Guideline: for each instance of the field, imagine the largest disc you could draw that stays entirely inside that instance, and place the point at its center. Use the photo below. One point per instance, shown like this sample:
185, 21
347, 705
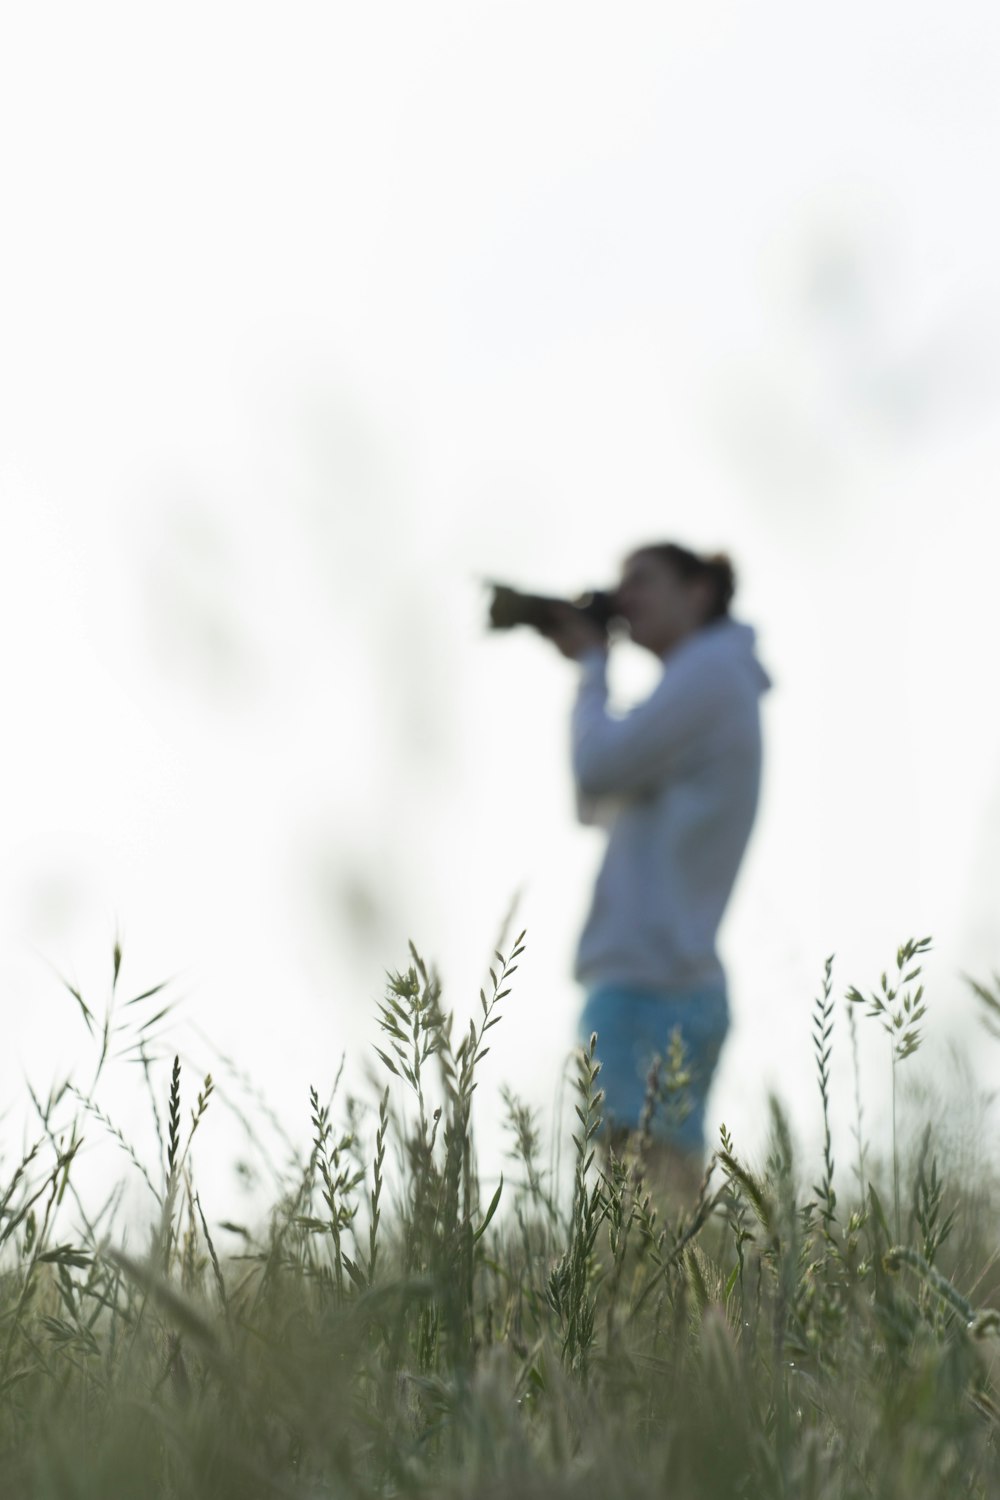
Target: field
392, 1329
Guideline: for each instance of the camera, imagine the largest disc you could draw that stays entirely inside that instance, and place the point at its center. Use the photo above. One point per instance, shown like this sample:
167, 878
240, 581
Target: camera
509, 607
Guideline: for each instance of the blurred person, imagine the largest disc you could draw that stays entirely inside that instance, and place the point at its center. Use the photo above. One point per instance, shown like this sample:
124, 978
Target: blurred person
676, 782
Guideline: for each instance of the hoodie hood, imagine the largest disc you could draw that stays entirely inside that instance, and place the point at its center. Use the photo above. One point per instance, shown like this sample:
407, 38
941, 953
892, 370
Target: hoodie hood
731, 639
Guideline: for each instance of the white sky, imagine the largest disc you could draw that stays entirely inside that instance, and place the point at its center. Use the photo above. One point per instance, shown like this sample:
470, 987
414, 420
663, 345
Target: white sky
309, 317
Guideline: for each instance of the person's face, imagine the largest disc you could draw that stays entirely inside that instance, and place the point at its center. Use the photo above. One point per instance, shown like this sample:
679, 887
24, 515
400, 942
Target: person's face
659, 606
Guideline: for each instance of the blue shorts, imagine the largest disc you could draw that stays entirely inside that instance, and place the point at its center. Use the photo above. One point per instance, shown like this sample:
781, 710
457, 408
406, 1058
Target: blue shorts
634, 1025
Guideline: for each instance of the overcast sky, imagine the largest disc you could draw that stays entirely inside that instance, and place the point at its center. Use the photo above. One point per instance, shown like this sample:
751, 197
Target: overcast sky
312, 316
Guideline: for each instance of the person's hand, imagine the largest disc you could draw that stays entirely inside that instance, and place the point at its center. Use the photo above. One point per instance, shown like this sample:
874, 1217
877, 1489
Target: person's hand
573, 634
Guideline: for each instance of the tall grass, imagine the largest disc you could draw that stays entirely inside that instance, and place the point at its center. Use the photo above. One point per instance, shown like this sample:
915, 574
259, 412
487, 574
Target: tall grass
396, 1327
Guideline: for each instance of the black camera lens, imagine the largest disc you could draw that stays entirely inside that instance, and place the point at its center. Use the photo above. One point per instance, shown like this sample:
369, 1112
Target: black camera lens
509, 607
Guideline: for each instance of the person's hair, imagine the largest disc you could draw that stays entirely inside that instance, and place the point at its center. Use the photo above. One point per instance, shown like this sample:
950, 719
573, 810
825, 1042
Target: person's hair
715, 566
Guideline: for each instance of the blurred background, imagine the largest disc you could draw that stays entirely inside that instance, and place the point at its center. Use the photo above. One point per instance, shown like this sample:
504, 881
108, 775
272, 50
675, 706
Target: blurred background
313, 317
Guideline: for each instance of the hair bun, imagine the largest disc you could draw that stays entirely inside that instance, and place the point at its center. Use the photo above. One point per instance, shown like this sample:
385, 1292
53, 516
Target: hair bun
722, 570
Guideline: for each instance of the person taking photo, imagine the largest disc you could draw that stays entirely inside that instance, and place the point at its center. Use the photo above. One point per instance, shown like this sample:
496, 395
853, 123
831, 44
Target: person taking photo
676, 781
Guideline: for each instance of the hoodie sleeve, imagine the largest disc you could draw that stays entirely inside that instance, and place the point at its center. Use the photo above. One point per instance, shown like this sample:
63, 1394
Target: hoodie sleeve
634, 753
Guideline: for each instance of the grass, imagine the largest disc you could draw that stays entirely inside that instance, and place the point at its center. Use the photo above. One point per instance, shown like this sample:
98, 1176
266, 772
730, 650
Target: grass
395, 1329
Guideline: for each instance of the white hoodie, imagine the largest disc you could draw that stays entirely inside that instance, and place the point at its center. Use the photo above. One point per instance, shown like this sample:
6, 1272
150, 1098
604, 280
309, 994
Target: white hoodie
684, 769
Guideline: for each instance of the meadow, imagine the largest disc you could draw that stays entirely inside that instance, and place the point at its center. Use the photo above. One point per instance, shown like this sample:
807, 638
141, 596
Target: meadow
393, 1328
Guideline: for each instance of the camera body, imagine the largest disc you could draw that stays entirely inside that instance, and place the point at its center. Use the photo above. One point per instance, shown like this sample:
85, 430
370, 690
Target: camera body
510, 607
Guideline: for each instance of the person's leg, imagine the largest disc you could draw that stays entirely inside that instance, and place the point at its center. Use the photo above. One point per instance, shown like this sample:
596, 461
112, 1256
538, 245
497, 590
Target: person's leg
701, 1017
673, 1138
613, 1012
635, 1026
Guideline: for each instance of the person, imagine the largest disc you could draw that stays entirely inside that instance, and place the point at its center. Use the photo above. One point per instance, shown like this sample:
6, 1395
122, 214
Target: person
676, 782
